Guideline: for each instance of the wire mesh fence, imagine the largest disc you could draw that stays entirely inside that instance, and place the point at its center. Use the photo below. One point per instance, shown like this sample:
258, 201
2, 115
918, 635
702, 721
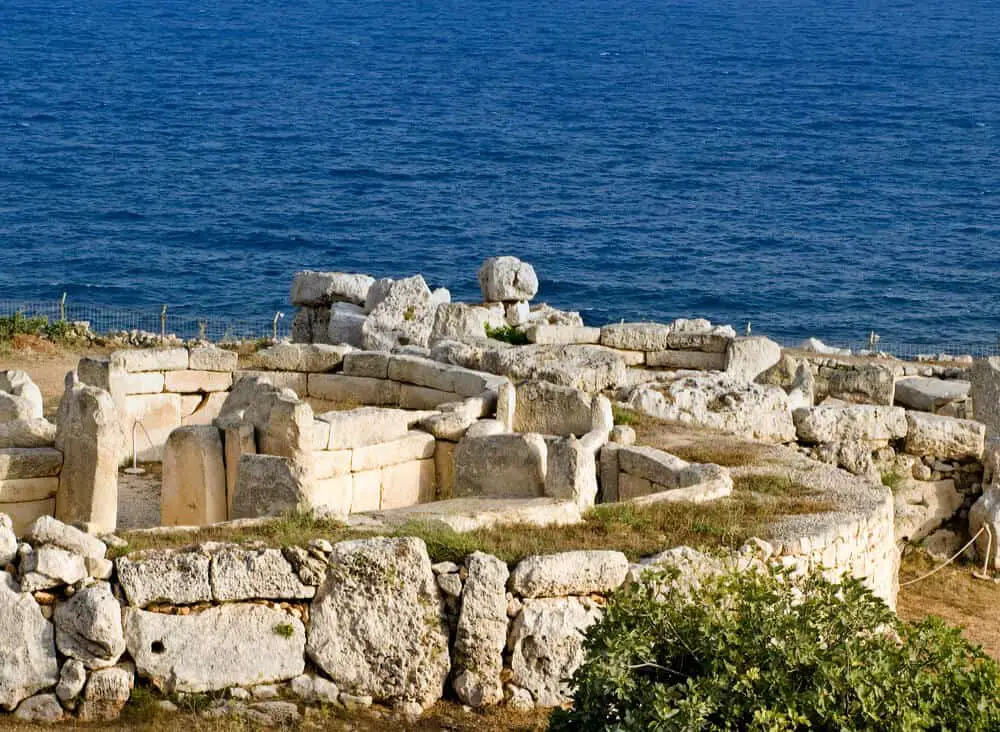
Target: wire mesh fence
104, 320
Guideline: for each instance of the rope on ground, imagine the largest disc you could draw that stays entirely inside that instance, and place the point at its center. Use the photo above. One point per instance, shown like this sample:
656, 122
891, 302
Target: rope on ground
989, 538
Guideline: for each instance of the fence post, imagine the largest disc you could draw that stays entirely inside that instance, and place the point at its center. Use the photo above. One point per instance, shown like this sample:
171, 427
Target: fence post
274, 325
62, 308
163, 324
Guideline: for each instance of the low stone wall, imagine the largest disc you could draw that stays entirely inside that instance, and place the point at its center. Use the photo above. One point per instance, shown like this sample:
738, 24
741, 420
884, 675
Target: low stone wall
373, 619
645, 475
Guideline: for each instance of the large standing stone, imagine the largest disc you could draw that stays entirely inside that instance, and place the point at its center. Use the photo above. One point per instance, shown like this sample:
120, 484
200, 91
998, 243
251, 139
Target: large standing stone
229, 645
510, 465
505, 279
27, 646
482, 632
315, 289
944, 437
546, 646
89, 627
748, 358
984, 377
404, 318
569, 573
571, 471
551, 410
376, 625
194, 478
288, 430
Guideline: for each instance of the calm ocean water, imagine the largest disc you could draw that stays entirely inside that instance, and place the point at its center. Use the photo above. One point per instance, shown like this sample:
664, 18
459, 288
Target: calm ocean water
819, 167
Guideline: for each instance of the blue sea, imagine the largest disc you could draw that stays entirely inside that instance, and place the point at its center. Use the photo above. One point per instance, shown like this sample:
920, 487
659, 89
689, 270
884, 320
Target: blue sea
817, 167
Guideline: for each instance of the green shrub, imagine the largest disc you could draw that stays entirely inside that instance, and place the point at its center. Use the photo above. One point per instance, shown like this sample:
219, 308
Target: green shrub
21, 324
508, 334
749, 654
624, 416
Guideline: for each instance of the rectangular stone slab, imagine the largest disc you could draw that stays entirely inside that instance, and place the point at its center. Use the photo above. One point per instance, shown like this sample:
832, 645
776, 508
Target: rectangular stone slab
19, 490
29, 462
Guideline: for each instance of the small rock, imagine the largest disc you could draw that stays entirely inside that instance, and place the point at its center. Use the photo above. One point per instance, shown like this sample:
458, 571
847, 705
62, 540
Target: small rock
72, 677
444, 568
265, 691
450, 584
239, 693
355, 703
43, 709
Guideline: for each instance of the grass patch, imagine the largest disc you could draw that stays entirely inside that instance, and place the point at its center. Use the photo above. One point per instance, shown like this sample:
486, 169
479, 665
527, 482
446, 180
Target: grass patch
727, 454
284, 630
624, 416
771, 484
508, 334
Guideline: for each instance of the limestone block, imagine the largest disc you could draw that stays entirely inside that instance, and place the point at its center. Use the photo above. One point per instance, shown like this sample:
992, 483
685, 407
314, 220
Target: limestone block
929, 394
331, 463
365, 426
562, 334
26, 490
297, 382
28, 658
170, 577
366, 491
353, 389
309, 358
481, 632
862, 422
444, 469
506, 405
315, 289
512, 465
19, 384
159, 414
636, 336
874, 384
24, 515
407, 484
632, 359
623, 434
986, 512
190, 402
460, 320
651, 464
142, 382
207, 410
108, 691
748, 358
150, 359
238, 440
448, 426
89, 627
48, 530
921, 507
415, 445
632, 486
695, 360
944, 437
288, 431
376, 625
250, 574
609, 473
19, 463
371, 364
72, 677
569, 573
421, 397
589, 368
269, 485
92, 439
225, 646
546, 646
551, 410
984, 378
439, 376
211, 358
203, 382
27, 433
403, 318
194, 478
58, 565
333, 496
8, 540
14, 408
345, 326
505, 279
40, 709
571, 472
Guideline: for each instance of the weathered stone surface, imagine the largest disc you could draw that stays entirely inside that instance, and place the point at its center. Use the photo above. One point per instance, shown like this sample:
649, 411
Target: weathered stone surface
944, 437
15, 408
314, 358
921, 507
194, 478
23, 462
442, 377
571, 470
23, 490
371, 364
315, 289
345, 326
422, 397
589, 368
985, 512
209, 407
288, 430
28, 661
247, 574
228, 645
203, 382
862, 422
748, 358
546, 645
150, 359
8, 540
19, 384
636, 336
72, 677
692, 567
408, 484
717, 401
269, 485
503, 279
512, 465
59, 565
32, 433
569, 573
107, 692
40, 709
874, 384
444, 469
694, 360
929, 394
175, 578
449, 426
376, 624
984, 379
652, 464
542, 333
48, 530
353, 389
459, 320
481, 634
89, 627
210, 358
159, 414
551, 410
403, 318
365, 426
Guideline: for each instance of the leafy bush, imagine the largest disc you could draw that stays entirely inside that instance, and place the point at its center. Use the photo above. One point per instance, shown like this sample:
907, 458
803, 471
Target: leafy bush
749, 654
508, 334
21, 324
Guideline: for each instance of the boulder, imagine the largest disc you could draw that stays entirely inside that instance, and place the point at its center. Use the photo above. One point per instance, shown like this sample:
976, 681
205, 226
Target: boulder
174, 578
944, 437
194, 478
27, 646
376, 625
316, 289
508, 465
269, 485
228, 645
505, 279
49, 566
481, 632
18, 384
862, 422
89, 627
344, 326
928, 394
250, 574
748, 358
48, 530
872, 384
40, 709
550, 409
459, 320
403, 318
984, 378
72, 677
569, 573
108, 691
921, 507
546, 646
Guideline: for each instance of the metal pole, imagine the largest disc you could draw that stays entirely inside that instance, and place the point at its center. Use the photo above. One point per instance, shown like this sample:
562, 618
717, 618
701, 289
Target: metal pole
163, 324
274, 325
62, 308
